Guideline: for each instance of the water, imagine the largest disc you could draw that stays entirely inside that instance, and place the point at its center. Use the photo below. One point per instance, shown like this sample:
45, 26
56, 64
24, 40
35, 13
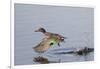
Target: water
74, 23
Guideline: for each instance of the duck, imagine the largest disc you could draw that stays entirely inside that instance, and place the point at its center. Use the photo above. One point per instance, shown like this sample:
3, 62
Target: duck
48, 35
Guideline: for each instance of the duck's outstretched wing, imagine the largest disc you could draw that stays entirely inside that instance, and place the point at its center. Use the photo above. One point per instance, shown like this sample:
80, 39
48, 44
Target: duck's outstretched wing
43, 46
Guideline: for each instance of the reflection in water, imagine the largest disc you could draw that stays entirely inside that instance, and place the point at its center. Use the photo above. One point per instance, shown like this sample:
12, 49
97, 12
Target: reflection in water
43, 60
83, 53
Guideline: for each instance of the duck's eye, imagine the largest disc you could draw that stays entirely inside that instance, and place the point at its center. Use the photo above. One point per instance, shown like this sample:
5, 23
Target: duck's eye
51, 43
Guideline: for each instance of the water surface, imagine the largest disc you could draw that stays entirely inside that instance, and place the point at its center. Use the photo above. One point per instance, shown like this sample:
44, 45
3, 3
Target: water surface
76, 23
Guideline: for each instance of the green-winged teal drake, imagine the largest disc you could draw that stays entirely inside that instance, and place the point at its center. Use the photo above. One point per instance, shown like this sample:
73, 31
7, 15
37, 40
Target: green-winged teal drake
50, 39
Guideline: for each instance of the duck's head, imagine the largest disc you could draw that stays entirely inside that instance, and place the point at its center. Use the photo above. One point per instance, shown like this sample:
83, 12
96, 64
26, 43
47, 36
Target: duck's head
40, 30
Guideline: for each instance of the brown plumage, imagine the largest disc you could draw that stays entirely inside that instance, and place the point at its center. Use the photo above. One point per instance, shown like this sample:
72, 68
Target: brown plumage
43, 46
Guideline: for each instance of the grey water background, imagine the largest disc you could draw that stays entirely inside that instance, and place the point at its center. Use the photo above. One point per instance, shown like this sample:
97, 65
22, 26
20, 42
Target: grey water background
75, 23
